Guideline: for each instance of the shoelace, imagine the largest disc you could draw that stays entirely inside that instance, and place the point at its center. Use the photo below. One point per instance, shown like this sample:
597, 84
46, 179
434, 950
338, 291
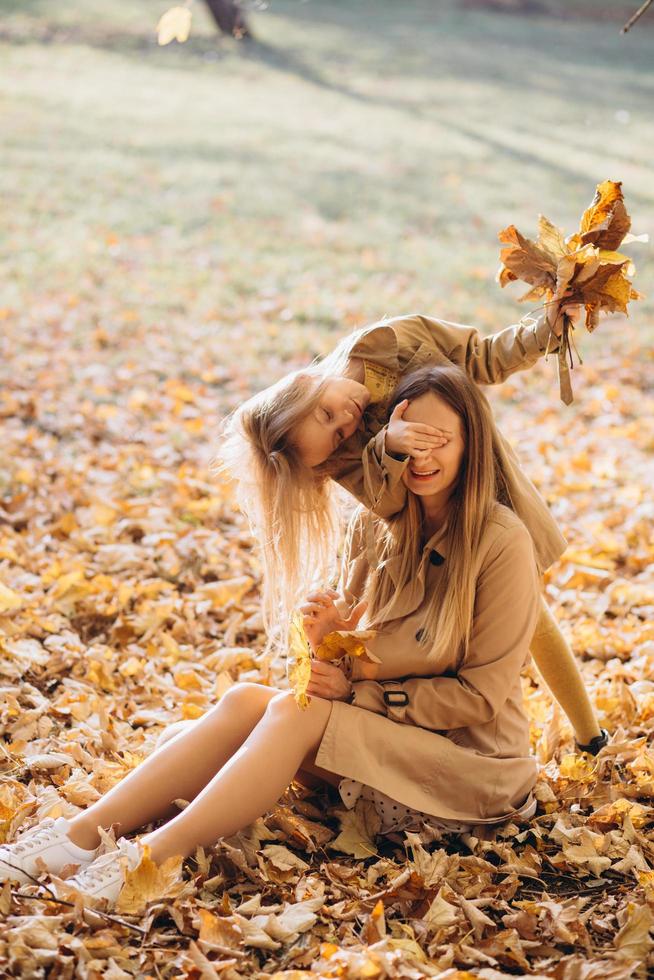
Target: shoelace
98, 874
40, 836
104, 868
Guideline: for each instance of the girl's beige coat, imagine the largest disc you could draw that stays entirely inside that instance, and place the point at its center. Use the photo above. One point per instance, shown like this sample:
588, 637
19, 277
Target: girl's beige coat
400, 346
460, 748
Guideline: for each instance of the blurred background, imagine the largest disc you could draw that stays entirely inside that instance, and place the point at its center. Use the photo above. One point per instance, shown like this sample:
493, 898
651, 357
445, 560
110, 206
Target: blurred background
354, 159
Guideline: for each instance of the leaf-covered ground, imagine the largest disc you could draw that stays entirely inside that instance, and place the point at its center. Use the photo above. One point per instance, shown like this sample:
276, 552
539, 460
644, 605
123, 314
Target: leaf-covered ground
139, 606
163, 261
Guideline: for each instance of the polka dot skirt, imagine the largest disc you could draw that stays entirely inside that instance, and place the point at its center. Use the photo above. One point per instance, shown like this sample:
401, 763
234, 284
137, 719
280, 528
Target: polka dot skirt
395, 816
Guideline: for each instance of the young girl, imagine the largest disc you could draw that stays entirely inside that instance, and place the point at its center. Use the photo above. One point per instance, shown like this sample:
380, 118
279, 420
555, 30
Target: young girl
430, 726
329, 422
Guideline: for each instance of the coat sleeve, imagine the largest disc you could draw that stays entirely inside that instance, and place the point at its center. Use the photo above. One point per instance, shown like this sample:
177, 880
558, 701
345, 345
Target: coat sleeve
368, 471
506, 608
372, 475
491, 360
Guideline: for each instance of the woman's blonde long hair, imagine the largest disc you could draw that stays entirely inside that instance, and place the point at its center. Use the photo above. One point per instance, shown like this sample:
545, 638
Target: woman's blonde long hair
292, 508
399, 541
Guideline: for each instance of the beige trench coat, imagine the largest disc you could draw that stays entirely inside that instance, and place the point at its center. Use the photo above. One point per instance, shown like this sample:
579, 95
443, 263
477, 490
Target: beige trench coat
400, 346
460, 748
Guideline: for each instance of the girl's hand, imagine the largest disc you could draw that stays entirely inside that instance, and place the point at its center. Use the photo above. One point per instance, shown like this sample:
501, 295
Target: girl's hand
412, 438
328, 681
322, 617
555, 311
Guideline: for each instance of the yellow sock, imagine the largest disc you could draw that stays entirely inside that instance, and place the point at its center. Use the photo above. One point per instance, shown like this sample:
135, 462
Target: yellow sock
558, 668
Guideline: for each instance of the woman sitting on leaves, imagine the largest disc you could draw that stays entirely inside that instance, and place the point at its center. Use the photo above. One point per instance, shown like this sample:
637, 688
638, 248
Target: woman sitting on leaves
429, 725
329, 422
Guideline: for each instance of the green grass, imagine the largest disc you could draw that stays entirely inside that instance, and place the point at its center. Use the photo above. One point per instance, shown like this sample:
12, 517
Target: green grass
358, 160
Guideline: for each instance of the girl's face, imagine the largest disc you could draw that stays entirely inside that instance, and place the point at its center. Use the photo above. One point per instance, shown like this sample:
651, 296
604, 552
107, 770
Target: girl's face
334, 419
436, 473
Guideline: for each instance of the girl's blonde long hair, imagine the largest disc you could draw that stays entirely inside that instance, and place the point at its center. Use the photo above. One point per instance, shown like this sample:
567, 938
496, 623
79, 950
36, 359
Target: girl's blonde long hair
399, 541
291, 507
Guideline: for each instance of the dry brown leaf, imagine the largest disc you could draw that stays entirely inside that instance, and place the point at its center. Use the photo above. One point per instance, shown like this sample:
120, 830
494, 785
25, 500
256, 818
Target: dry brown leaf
149, 882
634, 940
358, 828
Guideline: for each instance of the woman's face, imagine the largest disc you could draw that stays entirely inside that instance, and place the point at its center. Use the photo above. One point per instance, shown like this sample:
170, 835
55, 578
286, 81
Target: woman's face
335, 418
436, 473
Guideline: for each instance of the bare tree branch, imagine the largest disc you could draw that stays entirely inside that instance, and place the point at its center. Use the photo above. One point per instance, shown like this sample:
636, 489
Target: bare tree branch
639, 13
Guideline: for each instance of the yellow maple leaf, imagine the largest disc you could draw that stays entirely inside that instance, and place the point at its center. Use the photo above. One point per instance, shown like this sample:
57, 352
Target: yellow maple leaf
341, 642
359, 827
219, 930
150, 881
104, 515
99, 673
174, 25
577, 768
646, 881
551, 238
66, 582
176, 389
230, 590
9, 600
299, 660
7, 814
190, 710
188, 680
633, 940
615, 812
606, 222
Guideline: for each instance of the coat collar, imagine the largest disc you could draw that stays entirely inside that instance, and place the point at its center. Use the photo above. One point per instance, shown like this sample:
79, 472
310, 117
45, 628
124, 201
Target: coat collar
377, 343
434, 555
392, 344
437, 543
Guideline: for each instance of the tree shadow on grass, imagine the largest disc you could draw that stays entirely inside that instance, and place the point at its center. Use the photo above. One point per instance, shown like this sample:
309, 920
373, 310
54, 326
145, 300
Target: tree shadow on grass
474, 47
536, 66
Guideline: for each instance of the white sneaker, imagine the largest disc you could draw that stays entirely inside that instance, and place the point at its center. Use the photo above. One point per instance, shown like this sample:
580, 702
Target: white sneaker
105, 877
48, 841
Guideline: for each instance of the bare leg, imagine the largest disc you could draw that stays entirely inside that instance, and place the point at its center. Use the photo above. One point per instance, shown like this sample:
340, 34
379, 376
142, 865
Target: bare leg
309, 775
178, 769
251, 782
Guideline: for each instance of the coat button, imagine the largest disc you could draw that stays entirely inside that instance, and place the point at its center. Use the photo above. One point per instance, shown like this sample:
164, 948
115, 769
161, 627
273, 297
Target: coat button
436, 558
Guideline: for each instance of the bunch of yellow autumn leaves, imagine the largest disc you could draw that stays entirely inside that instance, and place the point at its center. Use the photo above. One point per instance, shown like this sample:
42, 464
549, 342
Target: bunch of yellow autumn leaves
583, 268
